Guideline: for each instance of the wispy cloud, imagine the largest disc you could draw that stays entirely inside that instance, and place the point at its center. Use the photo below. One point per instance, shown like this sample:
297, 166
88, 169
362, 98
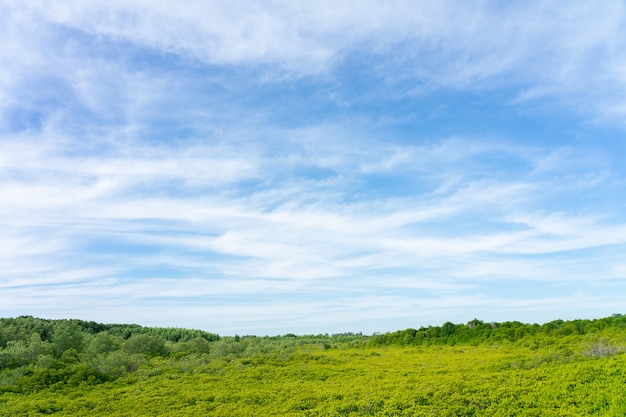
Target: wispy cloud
349, 163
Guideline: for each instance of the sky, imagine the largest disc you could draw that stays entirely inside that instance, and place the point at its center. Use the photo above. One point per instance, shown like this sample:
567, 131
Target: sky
270, 167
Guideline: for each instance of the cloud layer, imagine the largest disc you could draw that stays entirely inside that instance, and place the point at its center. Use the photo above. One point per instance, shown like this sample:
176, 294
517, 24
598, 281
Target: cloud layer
264, 167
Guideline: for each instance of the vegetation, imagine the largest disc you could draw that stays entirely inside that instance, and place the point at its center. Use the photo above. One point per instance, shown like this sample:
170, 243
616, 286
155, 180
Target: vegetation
78, 368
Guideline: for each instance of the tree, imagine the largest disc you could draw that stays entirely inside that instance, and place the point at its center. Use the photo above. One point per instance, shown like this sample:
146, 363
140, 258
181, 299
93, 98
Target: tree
15, 354
447, 329
37, 347
67, 335
103, 343
144, 344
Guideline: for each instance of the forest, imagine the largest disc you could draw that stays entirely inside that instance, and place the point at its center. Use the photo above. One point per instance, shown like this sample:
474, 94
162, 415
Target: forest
80, 368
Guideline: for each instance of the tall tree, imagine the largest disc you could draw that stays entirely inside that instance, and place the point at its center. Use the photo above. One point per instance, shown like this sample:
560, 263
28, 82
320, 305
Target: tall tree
67, 335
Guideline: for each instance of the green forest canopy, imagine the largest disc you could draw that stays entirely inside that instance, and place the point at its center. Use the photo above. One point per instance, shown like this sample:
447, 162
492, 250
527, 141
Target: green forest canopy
46, 364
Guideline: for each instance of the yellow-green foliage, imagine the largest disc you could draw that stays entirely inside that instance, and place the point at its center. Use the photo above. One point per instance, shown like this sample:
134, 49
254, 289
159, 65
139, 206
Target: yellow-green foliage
77, 368
311, 380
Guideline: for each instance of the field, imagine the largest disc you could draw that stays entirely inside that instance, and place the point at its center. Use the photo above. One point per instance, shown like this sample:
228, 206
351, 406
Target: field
536, 375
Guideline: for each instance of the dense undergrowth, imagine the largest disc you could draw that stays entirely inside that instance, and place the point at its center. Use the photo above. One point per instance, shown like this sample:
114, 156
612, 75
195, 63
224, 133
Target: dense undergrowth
74, 368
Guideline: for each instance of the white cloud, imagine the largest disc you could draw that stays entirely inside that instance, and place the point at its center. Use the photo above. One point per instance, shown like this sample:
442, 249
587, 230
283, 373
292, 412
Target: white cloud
289, 236
473, 41
573, 55
145, 145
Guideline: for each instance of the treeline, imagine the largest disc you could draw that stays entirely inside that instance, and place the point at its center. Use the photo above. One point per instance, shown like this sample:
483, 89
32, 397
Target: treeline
23, 327
39, 353
477, 331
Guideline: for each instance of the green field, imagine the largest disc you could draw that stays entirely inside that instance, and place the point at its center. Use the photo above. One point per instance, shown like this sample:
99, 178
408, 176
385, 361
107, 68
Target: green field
509, 369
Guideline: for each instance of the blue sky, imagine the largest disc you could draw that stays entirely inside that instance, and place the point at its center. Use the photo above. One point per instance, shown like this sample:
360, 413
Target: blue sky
264, 167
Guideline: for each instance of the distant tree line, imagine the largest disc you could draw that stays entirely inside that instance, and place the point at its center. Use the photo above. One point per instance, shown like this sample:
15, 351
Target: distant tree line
23, 327
36, 353
39, 353
477, 331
